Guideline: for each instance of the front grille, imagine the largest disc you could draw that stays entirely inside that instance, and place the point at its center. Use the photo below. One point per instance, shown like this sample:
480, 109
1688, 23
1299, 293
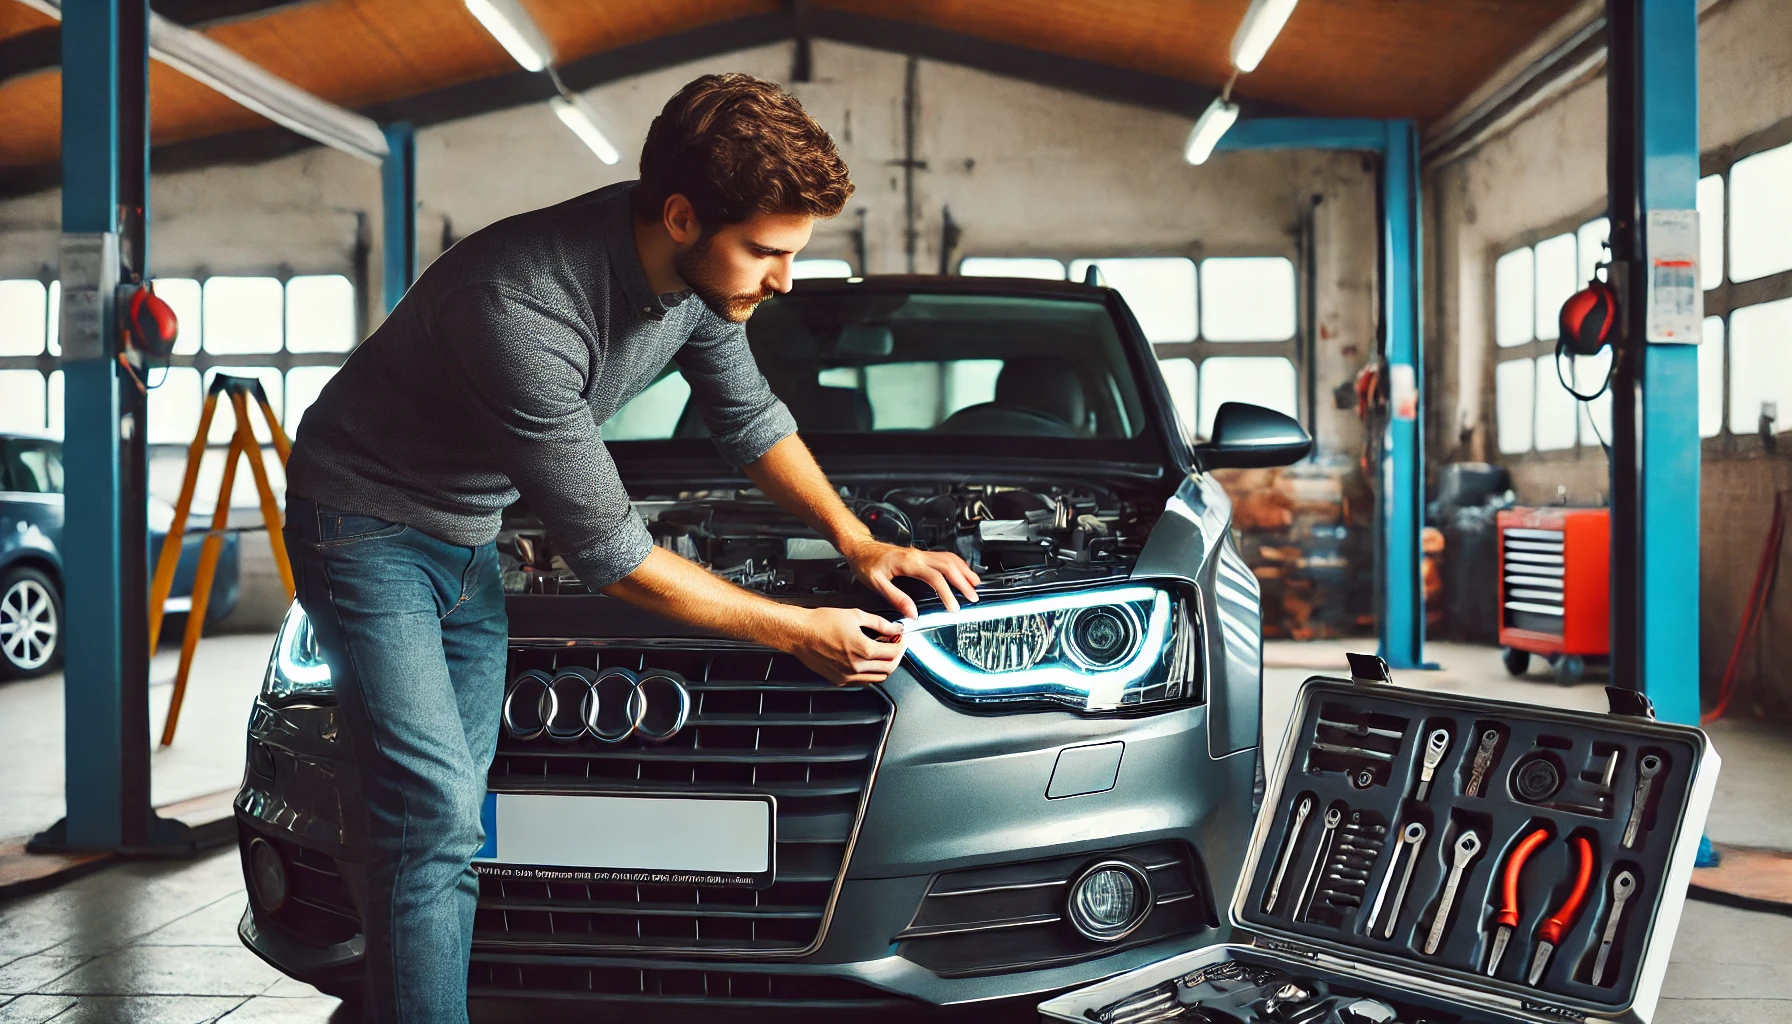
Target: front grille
1012, 917
760, 723
1534, 567
504, 979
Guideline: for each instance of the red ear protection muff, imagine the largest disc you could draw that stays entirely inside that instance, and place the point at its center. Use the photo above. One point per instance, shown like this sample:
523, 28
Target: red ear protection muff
1587, 318
149, 324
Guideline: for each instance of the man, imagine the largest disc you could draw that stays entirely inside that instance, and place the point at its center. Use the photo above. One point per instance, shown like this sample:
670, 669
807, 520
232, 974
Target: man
489, 380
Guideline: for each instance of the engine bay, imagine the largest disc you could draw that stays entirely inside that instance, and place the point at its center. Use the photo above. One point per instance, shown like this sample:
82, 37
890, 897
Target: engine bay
1012, 536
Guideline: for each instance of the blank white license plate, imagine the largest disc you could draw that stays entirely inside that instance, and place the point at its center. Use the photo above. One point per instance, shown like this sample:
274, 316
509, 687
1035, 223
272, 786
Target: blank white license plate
654, 840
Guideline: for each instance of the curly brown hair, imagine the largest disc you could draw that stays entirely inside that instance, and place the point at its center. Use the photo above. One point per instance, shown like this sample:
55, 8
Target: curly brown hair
735, 145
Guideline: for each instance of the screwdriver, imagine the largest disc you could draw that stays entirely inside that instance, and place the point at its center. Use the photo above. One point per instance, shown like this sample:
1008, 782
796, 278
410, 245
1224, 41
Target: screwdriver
1563, 918
1508, 915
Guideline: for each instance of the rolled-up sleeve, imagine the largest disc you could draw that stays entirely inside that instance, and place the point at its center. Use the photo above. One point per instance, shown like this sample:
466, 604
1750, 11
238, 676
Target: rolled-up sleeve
744, 418
526, 371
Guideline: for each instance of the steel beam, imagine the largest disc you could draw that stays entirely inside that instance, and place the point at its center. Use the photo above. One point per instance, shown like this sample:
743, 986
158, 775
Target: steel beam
1400, 518
105, 158
398, 197
1653, 169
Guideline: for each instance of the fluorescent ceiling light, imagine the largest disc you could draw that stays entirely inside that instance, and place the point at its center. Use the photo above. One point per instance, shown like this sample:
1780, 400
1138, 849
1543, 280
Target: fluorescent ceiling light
512, 27
1255, 33
1206, 134
576, 114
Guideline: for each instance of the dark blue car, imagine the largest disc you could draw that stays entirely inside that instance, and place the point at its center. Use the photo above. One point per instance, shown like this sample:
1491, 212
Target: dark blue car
32, 624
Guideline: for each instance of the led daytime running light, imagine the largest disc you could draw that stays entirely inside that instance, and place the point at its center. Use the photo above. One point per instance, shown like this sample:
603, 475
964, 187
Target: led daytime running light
296, 657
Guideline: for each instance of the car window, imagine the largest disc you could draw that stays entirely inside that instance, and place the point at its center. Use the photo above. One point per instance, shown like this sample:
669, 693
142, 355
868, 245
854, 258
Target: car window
33, 467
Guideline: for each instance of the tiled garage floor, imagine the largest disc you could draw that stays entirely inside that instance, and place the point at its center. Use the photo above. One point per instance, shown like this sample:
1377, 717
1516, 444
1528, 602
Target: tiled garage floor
155, 942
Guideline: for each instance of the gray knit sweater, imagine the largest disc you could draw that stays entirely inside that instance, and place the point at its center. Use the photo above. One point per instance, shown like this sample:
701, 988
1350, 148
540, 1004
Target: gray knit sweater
491, 377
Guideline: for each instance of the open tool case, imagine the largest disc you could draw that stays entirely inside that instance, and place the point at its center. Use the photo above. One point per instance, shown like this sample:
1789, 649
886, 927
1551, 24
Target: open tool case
1354, 847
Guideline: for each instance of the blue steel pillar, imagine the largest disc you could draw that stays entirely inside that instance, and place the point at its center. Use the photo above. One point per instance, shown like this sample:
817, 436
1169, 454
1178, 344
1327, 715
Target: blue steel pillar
398, 195
105, 93
1653, 168
1400, 617
1399, 589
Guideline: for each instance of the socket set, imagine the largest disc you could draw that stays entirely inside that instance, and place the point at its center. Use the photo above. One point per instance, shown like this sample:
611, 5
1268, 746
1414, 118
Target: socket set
1524, 862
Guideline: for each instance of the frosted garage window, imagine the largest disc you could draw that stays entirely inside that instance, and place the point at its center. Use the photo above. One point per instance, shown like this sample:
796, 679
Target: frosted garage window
1512, 306
1711, 378
22, 313
320, 314
1012, 266
1160, 290
970, 382
174, 407
1761, 230
1760, 365
1589, 244
303, 385
1555, 267
242, 315
1588, 374
904, 396
801, 270
1556, 411
1711, 230
224, 420
1268, 381
55, 316
1514, 398
1179, 377
22, 403
1247, 299
56, 403
651, 415
182, 294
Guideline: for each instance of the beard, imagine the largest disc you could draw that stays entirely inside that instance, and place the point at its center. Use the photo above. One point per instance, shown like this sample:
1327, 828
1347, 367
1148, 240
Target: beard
696, 266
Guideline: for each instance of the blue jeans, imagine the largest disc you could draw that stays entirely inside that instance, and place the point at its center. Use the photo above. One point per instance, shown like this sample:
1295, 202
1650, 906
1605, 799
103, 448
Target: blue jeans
416, 637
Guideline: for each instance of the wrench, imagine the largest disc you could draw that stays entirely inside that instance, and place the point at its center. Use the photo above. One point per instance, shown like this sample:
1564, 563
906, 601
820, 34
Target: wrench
1622, 887
1646, 770
1414, 836
1300, 822
1361, 730
1435, 745
1305, 902
1483, 761
1339, 748
1466, 848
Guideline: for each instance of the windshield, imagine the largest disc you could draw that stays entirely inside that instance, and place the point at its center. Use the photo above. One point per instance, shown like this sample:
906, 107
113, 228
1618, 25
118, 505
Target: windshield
854, 361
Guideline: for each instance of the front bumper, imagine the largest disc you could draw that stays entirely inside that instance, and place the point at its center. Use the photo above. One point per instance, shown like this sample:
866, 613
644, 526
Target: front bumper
955, 791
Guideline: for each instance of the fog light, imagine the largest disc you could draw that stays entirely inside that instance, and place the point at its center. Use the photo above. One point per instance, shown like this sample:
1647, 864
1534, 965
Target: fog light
267, 875
1109, 900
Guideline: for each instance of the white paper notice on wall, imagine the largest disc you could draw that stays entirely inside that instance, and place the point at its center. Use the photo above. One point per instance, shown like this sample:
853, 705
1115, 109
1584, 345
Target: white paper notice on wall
1403, 387
1675, 301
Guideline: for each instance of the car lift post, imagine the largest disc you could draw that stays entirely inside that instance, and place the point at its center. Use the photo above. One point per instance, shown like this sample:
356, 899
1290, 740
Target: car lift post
1652, 164
105, 205
1399, 592
398, 199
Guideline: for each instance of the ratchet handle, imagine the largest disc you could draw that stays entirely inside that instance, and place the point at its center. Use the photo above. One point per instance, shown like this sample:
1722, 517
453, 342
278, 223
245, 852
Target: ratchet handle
1559, 921
1508, 914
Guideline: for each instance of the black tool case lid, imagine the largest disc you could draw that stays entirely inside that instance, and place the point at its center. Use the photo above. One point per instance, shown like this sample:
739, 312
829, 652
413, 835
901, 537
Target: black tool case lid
1578, 744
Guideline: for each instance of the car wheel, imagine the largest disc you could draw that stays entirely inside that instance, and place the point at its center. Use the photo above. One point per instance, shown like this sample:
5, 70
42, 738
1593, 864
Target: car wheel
30, 623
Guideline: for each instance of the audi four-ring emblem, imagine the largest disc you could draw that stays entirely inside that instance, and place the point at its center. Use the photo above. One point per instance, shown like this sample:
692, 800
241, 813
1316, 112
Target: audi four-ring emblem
609, 705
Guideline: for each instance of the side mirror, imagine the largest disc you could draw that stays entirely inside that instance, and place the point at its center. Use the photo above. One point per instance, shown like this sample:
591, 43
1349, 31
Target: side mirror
1250, 436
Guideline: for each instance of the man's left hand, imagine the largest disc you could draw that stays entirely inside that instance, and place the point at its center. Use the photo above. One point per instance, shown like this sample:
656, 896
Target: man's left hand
878, 564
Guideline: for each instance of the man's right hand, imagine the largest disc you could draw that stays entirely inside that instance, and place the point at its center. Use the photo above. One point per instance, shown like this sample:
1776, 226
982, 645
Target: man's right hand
832, 642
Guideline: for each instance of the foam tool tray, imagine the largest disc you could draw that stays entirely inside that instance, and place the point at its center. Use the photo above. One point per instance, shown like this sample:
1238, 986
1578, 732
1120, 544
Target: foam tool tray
1452, 859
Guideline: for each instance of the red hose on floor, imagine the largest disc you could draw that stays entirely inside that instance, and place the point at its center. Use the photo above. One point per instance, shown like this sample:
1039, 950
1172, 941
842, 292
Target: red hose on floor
1756, 607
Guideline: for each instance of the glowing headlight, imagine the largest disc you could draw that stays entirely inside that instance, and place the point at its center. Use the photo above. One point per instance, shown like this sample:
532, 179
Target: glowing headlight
1096, 650
297, 668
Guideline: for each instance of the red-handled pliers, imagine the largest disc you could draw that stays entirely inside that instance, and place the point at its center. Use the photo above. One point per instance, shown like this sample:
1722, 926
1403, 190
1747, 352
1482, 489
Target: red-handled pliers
1557, 923
1507, 918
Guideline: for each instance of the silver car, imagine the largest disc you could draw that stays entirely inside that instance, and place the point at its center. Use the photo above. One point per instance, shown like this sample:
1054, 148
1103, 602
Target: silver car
1057, 784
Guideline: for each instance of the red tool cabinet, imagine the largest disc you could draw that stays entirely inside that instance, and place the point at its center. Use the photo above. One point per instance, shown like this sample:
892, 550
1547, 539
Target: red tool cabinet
1555, 587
